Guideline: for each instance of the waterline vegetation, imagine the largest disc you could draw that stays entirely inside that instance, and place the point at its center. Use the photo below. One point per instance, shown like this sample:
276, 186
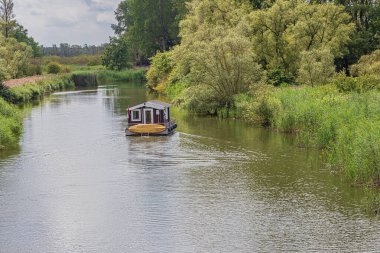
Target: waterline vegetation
277, 65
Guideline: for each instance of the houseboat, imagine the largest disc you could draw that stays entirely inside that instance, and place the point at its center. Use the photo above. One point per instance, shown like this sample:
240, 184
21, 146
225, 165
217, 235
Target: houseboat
150, 118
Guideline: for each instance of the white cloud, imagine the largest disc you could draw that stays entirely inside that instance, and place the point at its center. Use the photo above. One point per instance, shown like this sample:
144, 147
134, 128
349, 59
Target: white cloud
67, 21
105, 17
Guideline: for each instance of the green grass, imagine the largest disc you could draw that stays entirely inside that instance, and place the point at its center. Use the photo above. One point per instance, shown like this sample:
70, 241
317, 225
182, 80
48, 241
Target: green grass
10, 125
345, 125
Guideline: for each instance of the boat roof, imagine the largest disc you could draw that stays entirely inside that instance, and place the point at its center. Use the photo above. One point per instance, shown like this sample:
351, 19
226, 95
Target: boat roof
152, 104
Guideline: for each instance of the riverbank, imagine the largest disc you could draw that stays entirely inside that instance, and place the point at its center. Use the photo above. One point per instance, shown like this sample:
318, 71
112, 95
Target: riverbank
25, 90
343, 123
346, 126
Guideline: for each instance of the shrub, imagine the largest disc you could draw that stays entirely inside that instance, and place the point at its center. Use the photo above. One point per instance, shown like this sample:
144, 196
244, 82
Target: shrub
367, 65
356, 84
54, 68
279, 76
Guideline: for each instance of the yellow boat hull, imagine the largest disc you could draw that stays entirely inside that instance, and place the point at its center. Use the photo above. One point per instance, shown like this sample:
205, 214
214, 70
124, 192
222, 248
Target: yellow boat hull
147, 129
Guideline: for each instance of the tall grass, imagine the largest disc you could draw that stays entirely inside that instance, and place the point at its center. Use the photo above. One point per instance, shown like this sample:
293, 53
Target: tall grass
10, 125
137, 75
345, 125
92, 77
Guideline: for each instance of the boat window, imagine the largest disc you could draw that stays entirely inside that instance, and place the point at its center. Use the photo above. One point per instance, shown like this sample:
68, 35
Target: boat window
136, 115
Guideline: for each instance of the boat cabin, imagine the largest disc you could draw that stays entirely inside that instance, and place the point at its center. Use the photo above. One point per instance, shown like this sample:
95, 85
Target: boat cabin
152, 112
152, 117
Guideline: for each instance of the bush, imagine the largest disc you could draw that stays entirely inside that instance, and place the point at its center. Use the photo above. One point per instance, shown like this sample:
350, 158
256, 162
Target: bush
367, 65
200, 99
54, 68
277, 77
356, 84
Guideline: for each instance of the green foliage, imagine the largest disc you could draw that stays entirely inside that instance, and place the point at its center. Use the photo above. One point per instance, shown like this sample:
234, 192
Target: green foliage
357, 84
158, 73
54, 68
7, 17
21, 35
14, 57
35, 91
367, 65
116, 54
366, 16
148, 26
82, 60
278, 77
10, 125
316, 67
281, 32
201, 100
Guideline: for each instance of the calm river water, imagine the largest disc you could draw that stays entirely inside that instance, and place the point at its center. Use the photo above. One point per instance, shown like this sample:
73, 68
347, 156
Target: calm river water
77, 184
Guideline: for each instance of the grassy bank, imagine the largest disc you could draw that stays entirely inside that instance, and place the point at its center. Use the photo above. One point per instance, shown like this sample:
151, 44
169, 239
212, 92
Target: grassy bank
345, 125
10, 125
35, 91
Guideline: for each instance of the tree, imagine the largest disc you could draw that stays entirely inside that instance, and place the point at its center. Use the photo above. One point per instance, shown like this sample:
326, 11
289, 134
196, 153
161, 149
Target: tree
316, 67
7, 16
116, 54
14, 57
281, 32
149, 26
214, 56
225, 65
21, 35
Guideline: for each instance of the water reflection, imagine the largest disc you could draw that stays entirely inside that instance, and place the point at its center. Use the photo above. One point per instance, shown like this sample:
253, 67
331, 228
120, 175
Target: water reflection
79, 185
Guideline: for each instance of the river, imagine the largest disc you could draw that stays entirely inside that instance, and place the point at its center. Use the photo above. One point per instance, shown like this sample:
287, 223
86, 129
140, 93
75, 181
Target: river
78, 184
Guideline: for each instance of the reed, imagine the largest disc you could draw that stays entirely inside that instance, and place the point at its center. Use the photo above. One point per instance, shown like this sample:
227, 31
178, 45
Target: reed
345, 125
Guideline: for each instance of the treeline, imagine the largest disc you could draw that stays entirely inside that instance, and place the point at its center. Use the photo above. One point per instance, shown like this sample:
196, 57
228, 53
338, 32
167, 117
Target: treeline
66, 50
228, 46
146, 27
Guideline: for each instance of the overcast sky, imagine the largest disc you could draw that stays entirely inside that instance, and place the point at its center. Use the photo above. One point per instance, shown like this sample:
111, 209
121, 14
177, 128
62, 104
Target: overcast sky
71, 21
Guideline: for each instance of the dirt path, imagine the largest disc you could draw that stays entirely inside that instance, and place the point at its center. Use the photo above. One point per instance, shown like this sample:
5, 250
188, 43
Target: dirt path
25, 80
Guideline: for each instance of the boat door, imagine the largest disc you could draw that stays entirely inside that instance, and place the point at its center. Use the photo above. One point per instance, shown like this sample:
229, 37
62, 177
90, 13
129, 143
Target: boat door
148, 116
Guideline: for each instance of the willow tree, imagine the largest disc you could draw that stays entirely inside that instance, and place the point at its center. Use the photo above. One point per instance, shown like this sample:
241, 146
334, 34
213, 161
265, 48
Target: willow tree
213, 53
280, 33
